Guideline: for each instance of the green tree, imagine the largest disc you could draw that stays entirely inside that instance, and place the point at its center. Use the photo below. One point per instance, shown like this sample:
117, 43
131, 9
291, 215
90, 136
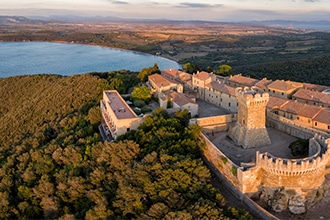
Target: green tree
145, 72
188, 67
224, 70
299, 148
141, 93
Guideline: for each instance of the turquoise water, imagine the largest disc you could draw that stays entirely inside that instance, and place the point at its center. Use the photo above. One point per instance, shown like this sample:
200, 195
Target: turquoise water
20, 58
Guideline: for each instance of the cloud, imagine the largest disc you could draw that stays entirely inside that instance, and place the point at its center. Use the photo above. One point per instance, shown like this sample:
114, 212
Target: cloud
120, 2
117, 2
197, 5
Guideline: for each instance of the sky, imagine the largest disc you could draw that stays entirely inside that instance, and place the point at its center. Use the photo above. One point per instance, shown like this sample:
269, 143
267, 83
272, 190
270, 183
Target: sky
212, 10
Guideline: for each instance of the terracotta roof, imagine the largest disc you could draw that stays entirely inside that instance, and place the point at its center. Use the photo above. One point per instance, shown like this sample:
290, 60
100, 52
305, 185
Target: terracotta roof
221, 88
298, 108
263, 83
315, 87
185, 77
202, 75
275, 102
179, 98
285, 86
323, 116
243, 80
171, 72
314, 96
160, 81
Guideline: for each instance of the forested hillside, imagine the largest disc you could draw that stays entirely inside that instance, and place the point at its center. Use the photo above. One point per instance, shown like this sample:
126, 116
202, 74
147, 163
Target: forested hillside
54, 165
314, 70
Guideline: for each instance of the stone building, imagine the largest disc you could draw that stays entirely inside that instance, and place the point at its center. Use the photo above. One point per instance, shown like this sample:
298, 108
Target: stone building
241, 81
200, 80
178, 101
158, 83
177, 75
221, 95
263, 84
283, 89
321, 121
312, 97
250, 129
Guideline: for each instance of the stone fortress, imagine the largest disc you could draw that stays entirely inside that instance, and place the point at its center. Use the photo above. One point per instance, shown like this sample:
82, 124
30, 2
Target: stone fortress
247, 146
270, 175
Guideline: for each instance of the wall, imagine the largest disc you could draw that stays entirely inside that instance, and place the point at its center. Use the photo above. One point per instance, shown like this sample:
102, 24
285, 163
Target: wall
214, 123
223, 168
290, 127
221, 99
305, 173
221, 119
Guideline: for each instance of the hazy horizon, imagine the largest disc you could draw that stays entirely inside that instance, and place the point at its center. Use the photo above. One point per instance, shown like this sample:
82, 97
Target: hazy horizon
212, 10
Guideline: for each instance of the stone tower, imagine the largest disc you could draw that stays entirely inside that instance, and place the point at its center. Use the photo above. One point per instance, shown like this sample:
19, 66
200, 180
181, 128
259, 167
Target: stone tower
250, 129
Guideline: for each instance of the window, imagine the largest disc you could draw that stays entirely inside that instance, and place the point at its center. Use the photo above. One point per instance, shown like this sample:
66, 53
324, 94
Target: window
315, 123
229, 104
297, 117
282, 93
128, 129
328, 127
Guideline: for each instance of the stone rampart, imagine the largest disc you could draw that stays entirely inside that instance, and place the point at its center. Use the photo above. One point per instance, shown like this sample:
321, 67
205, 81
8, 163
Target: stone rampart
251, 94
305, 173
214, 120
230, 175
214, 123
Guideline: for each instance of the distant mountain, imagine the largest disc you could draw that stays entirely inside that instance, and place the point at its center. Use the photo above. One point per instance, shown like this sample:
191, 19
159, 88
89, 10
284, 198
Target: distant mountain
75, 18
10, 20
321, 25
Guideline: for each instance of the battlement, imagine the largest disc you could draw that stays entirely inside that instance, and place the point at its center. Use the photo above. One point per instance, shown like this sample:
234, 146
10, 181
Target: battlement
297, 167
251, 96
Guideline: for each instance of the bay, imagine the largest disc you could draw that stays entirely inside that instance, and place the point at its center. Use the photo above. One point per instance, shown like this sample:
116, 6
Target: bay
22, 58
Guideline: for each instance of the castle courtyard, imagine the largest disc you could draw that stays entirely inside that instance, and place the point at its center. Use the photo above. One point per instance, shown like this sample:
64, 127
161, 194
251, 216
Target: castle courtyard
278, 148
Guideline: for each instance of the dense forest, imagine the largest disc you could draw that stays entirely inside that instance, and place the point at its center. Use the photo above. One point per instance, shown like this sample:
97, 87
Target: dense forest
296, 57
54, 165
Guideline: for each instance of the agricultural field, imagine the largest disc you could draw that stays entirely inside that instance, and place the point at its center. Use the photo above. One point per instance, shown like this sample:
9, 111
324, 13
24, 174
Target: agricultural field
256, 51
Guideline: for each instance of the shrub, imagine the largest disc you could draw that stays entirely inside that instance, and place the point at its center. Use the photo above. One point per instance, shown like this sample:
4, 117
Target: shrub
139, 103
224, 159
299, 148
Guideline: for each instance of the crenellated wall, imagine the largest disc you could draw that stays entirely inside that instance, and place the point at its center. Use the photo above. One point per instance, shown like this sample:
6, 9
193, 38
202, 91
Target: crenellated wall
305, 173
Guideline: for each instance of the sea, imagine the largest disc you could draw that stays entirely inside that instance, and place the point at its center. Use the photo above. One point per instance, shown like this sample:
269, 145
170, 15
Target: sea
24, 58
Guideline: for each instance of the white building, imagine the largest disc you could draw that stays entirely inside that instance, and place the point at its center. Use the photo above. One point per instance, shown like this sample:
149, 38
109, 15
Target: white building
118, 117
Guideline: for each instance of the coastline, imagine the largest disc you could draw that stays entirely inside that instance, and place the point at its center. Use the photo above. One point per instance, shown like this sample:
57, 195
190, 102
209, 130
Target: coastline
74, 61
